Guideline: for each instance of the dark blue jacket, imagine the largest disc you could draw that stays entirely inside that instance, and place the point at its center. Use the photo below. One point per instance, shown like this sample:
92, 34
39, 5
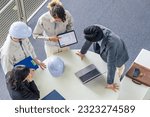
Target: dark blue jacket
112, 50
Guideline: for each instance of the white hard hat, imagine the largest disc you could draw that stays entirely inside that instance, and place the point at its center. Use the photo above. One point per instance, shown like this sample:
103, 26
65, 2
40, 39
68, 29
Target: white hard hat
55, 66
20, 30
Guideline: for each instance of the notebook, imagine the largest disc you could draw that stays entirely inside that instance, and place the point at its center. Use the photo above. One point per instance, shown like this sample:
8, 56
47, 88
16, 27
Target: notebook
54, 95
67, 39
28, 62
88, 73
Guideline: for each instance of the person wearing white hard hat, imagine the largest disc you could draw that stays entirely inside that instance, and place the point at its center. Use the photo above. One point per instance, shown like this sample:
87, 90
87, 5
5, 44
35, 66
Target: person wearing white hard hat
57, 20
17, 47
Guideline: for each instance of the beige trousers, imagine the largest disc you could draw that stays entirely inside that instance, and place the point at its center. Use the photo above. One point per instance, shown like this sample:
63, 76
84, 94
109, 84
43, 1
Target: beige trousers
120, 70
51, 50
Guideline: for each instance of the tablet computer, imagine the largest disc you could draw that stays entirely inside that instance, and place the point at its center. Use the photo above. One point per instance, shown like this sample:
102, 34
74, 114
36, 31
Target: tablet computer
67, 39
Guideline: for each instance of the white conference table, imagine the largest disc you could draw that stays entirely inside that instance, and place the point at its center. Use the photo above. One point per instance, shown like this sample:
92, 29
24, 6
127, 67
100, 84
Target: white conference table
69, 86
132, 91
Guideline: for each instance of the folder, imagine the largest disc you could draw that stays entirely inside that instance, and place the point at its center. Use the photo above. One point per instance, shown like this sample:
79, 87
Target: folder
28, 62
54, 95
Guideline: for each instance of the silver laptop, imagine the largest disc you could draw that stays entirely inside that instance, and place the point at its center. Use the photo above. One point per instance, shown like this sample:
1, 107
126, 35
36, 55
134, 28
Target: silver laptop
88, 73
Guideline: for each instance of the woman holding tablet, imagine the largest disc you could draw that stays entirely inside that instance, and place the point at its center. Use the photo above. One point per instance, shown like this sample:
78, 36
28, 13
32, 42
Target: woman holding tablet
57, 20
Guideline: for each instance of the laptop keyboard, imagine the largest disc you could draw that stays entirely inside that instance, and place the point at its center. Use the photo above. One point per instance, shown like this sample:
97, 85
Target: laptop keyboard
90, 75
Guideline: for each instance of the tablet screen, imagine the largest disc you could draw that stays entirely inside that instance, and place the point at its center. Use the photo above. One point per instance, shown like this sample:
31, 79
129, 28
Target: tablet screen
67, 38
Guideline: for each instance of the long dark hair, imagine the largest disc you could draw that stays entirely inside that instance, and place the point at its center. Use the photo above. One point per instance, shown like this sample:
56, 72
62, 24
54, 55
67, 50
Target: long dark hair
58, 11
17, 76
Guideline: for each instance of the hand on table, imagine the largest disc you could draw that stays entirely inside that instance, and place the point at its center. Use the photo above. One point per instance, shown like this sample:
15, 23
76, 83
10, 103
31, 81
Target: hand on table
42, 65
113, 87
81, 55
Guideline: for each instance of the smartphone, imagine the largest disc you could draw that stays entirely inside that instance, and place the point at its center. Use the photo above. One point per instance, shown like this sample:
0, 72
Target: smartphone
136, 72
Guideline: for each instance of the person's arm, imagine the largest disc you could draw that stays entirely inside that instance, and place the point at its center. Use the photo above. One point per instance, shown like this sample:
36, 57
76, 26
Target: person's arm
30, 91
30, 48
6, 63
84, 49
36, 60
70, 21
38, 31
111, 59
40, 63
34, 88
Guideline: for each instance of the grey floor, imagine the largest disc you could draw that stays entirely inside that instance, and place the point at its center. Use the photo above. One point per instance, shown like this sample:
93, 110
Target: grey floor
130, 19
